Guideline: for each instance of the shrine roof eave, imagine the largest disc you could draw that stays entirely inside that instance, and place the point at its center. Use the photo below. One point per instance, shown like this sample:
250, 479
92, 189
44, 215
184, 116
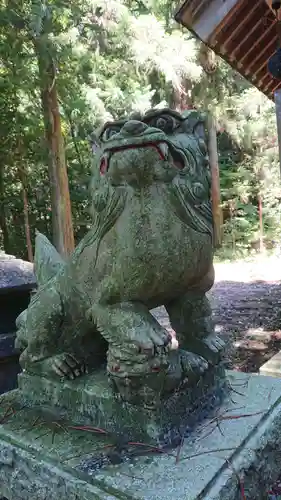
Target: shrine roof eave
242, 32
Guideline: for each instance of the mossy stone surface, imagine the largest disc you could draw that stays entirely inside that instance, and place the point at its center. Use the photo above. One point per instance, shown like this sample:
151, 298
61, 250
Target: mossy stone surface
91, 401
44, 459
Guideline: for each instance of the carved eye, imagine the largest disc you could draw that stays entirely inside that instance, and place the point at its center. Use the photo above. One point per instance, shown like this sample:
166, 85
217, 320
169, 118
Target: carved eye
160, 123
198, 190
165, 123
110, 132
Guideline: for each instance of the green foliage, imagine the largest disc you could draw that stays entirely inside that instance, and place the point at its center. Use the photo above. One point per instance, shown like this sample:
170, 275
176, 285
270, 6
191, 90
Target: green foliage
111, 58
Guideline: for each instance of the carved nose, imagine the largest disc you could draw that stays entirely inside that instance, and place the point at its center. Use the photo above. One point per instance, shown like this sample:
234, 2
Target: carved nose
133, 127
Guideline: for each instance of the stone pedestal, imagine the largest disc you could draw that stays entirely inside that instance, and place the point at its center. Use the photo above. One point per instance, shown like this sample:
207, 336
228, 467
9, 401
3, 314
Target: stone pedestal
272, 367
43, 458
91, 401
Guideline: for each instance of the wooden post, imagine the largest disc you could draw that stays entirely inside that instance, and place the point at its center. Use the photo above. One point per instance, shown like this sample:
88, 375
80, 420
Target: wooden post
215, 189
277, 98
277, 93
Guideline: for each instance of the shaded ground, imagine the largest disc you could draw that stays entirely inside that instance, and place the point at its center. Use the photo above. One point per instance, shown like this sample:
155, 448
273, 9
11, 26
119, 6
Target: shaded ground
246, 300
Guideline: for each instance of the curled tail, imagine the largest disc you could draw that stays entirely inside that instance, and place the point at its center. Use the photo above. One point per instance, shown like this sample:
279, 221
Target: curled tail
47, 264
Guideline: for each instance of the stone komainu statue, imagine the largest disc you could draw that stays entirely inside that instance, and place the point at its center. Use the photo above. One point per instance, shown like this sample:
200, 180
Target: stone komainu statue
150, 244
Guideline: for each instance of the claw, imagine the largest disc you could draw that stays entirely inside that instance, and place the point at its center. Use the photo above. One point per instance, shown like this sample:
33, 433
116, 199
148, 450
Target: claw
68, 367
58, 371
174, 345
214, 343
193, 363
71, 361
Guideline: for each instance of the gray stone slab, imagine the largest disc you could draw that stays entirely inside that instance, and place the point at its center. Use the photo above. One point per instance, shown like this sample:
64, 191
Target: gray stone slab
211, 461
36, 465
90, 400
272, 367
15, 272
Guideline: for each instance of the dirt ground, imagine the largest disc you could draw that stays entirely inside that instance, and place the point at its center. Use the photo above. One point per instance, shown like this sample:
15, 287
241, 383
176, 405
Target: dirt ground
246, 301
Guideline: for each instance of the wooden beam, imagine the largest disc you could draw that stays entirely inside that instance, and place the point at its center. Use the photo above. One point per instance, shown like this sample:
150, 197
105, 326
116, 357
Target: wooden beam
213, 40
268, 50
232, 54
272, 87
255, 44
262, 83
198, 8
268, 84
276, 86
269, 3
183, 14
212, 16
227, 21
238, 27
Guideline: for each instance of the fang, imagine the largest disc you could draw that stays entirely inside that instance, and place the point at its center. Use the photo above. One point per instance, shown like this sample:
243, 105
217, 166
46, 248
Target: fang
164, 148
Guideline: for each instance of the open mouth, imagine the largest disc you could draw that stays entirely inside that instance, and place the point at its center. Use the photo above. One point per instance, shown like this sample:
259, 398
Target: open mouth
164, 150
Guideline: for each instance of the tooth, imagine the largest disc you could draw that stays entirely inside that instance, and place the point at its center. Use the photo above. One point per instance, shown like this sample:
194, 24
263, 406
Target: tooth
164, 148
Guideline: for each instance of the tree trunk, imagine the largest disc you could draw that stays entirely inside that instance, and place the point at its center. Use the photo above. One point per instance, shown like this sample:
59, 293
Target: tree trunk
63, 236
3, 222
22, 177
207, 59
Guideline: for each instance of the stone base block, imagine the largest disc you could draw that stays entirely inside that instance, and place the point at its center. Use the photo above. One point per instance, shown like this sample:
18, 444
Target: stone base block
44, 459
90, 400
272, 367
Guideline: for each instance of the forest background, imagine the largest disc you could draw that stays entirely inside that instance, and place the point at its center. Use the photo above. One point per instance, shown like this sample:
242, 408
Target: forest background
104, 59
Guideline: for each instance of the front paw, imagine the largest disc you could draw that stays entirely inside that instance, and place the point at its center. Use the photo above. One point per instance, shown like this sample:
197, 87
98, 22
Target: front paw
192, 364
215, 343
67, 366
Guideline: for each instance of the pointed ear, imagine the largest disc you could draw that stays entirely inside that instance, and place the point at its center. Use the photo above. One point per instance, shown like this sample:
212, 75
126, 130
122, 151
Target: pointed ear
94, 142
195, 123
47, 261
